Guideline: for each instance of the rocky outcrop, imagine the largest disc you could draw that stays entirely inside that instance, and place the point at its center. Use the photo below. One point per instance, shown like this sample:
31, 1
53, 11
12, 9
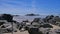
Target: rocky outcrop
7, 22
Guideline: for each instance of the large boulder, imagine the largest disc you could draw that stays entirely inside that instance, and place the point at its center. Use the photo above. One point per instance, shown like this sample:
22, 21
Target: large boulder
36, 20
7, 17
34, 31
46, 26
47, 18
7, 27
2, 22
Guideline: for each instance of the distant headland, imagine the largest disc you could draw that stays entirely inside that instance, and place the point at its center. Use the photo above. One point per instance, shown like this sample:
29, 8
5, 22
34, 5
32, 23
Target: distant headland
32, 14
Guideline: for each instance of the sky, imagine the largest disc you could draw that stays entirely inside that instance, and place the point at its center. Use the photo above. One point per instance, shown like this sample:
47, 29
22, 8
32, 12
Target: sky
21, 7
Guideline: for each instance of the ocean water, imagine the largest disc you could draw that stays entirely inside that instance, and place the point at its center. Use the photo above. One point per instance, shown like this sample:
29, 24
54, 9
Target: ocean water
30, 18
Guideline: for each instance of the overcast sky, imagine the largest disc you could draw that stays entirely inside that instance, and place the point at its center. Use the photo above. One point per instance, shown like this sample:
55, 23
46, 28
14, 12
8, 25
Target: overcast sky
30, 6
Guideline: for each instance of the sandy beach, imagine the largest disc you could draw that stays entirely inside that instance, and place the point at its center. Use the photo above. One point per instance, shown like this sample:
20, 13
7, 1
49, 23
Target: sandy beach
18, 32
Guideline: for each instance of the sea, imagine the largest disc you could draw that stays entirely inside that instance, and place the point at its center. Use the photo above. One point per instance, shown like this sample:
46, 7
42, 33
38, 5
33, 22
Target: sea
30, 18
